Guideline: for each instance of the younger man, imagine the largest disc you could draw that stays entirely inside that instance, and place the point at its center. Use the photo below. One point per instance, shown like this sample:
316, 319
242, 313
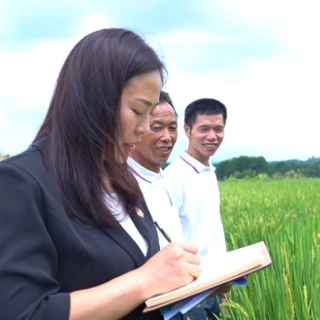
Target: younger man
192, 182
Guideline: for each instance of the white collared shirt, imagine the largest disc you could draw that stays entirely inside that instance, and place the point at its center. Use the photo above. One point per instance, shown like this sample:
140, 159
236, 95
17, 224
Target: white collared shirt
158, 201
194, 190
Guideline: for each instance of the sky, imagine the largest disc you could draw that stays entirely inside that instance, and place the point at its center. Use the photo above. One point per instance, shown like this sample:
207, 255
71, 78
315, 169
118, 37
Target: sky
260, 58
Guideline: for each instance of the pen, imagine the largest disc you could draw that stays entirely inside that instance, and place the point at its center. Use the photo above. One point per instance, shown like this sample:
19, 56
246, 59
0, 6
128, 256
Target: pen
162, 231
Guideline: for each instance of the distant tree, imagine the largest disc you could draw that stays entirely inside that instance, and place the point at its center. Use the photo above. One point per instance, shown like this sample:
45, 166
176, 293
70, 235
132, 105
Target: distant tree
241, 167
225, 169
279, 167
309, 168
313, 170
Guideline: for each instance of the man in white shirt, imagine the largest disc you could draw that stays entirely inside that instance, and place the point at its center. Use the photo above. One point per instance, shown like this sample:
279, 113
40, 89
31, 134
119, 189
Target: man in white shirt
191, 179
145, 164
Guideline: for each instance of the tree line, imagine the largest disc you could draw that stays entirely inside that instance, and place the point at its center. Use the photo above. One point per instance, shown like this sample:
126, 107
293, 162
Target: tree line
250, 167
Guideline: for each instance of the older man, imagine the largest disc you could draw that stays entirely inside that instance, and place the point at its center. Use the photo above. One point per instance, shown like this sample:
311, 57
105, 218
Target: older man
145, 164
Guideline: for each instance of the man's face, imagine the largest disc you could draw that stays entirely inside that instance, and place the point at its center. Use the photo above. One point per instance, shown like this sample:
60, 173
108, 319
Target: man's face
205, 136
156, 146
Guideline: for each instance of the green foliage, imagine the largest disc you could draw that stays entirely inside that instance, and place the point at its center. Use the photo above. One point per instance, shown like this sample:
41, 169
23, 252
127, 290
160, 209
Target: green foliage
249, 167
286, 215
241, 167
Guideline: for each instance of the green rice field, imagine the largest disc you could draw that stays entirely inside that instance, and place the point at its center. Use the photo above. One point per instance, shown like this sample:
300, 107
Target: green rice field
285, 214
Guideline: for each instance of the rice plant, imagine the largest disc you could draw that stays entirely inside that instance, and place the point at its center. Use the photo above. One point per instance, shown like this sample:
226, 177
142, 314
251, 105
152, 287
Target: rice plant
286, 215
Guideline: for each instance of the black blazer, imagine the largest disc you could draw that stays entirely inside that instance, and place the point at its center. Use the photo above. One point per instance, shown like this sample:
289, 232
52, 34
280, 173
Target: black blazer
45, 255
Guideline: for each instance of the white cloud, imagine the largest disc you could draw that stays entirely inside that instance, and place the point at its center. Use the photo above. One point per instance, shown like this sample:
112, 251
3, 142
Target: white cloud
16, 136
28, 77
26, 86
3, 116
272, 100
95, 22
187, 37
27, 82
272, 105
285, 12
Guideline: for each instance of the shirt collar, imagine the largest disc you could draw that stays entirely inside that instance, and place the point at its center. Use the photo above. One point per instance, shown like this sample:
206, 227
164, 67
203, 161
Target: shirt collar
195, 164
138, 170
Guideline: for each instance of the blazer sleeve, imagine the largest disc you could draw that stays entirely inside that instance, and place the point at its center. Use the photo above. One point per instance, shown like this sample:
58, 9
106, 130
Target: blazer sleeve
28, 259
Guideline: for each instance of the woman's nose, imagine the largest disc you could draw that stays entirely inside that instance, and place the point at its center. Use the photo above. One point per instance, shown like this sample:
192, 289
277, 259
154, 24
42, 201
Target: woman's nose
143, 127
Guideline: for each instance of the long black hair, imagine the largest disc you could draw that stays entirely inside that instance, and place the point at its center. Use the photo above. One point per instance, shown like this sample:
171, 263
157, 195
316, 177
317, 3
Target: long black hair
83, 125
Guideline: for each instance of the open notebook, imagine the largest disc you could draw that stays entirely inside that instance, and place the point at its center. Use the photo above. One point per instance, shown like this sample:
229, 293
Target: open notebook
216, 271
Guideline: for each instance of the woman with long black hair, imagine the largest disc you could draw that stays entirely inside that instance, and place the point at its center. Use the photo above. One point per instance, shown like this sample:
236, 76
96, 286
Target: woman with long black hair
76, 238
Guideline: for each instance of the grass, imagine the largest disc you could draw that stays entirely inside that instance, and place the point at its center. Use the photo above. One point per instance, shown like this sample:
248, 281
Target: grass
286, 215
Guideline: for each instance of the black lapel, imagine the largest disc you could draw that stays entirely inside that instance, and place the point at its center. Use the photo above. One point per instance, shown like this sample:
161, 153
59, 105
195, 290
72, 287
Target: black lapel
123, 239
145, 225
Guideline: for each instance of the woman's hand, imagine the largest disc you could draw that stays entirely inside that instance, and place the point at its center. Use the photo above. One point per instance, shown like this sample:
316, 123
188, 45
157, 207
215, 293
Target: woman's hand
174, 266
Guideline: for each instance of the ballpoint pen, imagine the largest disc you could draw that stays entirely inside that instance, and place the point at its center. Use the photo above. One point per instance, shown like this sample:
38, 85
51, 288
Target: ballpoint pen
162, 231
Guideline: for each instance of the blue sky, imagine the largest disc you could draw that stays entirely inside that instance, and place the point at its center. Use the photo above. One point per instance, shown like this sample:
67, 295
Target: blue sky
260, 58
